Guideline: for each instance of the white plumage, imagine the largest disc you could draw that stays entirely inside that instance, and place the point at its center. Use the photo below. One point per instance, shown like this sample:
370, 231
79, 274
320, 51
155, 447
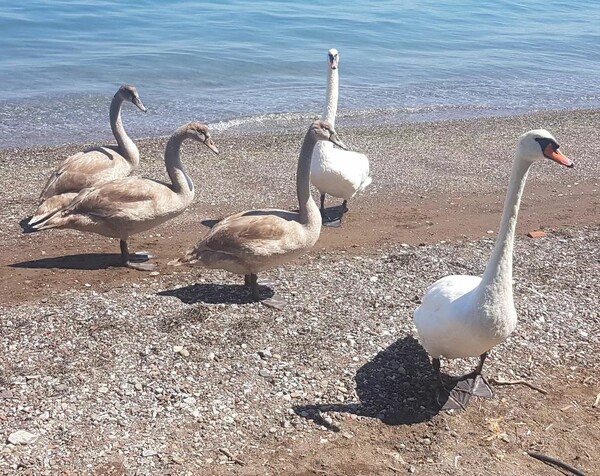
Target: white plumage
336, 172
465, 316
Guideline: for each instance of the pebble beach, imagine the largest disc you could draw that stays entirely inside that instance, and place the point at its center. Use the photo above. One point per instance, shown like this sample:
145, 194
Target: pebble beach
115, 371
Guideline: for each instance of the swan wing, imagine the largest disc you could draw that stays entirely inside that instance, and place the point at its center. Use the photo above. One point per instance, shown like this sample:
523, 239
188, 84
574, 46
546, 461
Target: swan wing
444, 318
130, 197
85, 169
260, 234
340, 173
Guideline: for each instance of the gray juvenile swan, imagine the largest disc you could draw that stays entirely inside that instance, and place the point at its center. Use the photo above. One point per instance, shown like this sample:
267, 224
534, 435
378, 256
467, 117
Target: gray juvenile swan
123, 207
95, 166
250, 242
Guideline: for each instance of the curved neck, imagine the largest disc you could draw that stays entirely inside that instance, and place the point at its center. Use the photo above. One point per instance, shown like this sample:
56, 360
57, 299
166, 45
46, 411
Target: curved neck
332, 96
309, 212
127, 147
182, 183
498, 271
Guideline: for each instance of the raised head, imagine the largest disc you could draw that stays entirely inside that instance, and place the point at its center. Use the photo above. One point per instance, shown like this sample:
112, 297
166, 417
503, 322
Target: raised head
323, 130
333, 57
539, 144
199, 131
129, 93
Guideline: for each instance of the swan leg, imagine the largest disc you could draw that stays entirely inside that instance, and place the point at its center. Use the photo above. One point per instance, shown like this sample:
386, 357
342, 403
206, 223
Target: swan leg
250, 280
458, 396
136, 260
327, 220
437, 364
275, 302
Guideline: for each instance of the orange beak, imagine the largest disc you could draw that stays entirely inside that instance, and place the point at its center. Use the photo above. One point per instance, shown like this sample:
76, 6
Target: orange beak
557, 156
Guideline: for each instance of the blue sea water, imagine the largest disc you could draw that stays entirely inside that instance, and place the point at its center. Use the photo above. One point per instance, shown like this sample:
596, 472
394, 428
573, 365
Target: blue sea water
255, 64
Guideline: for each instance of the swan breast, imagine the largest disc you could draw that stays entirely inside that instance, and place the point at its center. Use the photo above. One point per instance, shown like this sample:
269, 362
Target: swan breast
337, 172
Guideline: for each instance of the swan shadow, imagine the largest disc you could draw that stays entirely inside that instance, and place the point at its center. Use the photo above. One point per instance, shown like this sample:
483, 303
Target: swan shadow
84, 261
24, 224
210, 293
210, 222
397, 386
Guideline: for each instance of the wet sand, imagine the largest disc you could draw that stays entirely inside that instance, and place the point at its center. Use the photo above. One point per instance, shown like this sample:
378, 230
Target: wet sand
431, 182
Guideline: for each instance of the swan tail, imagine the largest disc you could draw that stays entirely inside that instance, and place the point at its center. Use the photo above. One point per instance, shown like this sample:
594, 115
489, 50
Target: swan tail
188, 258
366, 182
56, 211
51, 206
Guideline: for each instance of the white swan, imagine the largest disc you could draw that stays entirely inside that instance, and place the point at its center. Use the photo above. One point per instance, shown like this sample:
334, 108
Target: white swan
465, 316
340, 173
95, 166
250, 242
123, 207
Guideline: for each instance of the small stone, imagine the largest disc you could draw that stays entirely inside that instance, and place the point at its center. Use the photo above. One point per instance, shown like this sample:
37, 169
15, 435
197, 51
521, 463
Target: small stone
22, 437
154, 273
103, 389
264, 373
178, 459
177, 348
536, 234
147, 453
264, 354
490, 232
138, 386
184, 353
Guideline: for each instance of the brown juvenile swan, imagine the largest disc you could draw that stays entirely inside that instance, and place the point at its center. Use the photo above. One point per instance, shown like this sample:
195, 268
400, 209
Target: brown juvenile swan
250, 242
123, 207
95, 166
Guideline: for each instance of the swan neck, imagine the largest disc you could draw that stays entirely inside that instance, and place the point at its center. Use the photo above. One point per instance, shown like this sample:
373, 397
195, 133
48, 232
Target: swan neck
127, 147
499, 268
182, 183
332, 96
309, 212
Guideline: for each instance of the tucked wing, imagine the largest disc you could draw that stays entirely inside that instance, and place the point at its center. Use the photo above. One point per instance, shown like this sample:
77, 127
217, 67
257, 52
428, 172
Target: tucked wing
243, 233
130, 196
85, 169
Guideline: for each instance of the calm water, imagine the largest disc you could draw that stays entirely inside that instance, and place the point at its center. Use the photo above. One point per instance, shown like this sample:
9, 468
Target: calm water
257, 64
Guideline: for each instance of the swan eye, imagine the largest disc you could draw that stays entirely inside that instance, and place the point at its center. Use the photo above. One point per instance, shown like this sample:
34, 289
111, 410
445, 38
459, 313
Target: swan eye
546, 142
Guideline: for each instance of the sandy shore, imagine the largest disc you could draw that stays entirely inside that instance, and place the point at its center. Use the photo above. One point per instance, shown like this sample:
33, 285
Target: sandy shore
334, 384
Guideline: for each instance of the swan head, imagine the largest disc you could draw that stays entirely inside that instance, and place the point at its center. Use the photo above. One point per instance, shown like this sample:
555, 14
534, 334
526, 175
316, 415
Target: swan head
539, 144
199, 131
323, 130
333, 57
130, 93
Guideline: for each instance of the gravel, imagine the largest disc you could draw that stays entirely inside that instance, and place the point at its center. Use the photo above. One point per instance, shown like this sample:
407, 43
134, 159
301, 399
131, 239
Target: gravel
177, 372
109, 375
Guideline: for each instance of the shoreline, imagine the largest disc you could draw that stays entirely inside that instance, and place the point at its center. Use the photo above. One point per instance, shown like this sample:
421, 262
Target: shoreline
294, 122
